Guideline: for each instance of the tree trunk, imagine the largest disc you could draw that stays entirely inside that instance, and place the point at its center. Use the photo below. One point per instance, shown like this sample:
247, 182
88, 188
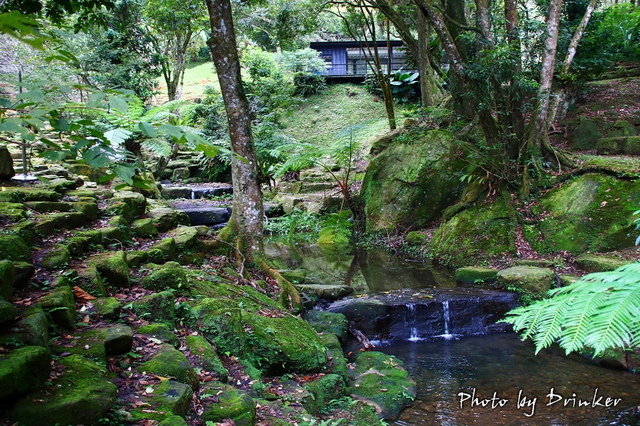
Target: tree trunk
537, 135
430, 90
245, 224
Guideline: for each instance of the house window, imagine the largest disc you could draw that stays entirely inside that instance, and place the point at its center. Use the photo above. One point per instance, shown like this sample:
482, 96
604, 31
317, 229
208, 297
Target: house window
328, 61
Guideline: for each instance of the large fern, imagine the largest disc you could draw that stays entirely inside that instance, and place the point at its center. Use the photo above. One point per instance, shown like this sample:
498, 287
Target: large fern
598, 312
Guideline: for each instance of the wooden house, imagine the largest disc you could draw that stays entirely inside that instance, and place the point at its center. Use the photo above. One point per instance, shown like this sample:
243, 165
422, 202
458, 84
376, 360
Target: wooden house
345, 61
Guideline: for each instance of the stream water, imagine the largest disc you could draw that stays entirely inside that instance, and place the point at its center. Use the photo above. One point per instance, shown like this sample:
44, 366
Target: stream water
493, 379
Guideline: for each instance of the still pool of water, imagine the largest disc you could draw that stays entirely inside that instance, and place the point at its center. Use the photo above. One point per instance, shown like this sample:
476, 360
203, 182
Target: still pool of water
497, 380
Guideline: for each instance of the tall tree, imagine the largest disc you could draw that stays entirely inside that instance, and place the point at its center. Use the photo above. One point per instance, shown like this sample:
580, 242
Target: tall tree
245, 227
174, 24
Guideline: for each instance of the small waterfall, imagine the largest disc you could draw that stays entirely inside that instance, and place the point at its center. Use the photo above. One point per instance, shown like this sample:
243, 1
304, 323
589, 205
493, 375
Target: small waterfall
446, 318
412, 323
193, 194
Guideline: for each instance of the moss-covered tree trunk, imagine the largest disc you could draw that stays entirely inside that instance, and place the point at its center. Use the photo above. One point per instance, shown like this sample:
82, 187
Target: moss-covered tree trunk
245, 227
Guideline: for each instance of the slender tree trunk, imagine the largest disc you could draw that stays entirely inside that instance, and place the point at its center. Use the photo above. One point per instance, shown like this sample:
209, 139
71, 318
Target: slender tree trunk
245, 223
568, 59
538, 128
430, 90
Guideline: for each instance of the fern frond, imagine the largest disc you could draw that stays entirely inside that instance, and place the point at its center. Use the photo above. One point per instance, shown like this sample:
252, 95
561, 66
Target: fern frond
597, 312
158, 146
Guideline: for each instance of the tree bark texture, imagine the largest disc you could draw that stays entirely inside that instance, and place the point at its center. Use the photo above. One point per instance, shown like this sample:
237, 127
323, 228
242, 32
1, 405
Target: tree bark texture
246, 221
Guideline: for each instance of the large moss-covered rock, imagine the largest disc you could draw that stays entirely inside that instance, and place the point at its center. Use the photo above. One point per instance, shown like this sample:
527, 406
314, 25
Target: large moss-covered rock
136, 203
23, 370
164, 400
144, 228
111, 269
20, 194
166, 218
160, 332
33, 328
54, 222
12, 247
12, 212
328, 322
484, 231
475, 274
323, 390
381, 381
159, 307
57, 257
413, 180
592, 212
171, 275
526, 279
226, 402
206, 356
246, 323
599, 263
170, 362
7, 279
7, 312
60, 306
82, 394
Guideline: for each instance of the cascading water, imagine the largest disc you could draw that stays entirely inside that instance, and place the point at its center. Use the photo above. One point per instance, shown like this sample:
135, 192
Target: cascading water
412, 323
446, 319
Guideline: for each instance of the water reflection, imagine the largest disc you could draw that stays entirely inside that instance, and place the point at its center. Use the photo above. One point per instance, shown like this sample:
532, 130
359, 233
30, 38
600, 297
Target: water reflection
497, 380
366, 271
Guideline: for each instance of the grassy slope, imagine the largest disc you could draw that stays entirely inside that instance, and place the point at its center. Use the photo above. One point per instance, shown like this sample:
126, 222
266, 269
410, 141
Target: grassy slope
318, 119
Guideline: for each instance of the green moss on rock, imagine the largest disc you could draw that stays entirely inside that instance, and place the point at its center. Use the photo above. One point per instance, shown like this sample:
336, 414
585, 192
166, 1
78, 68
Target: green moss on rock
60, 306
159, 307
7, 279
328, 322
323, 390
599, 263
222, 401
476, 234
164, 400
527, 279
144, 228
206, 356
381, 381
159, 331
413, 180
12, 247
21, 194
23, 370
170, 362
475, 274
171, 275
82, 394
592, 212
57, 257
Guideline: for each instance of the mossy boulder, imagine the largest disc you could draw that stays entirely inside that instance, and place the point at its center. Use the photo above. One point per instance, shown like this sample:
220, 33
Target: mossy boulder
8, 312
60, 306
48, 206
328, 322
247, 324
12, 247
593, 212
166, 218
337, 363
412, 181
162, 251
585, 134
57, 257
159, 307
99, 343
89, 209
173, 421
110, 270
222, 402
144, 228
487, 230
55, 222
186, 237
171, 275
164, 400
107, 308
22, 194
22, 370
160, 332
323, 390
526, 279
170, 362
381, 381
599, 263
136, 203
206, 357
82, 394
475, 274
115, 235
12, 212
325, 291
33, 328
7, 279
